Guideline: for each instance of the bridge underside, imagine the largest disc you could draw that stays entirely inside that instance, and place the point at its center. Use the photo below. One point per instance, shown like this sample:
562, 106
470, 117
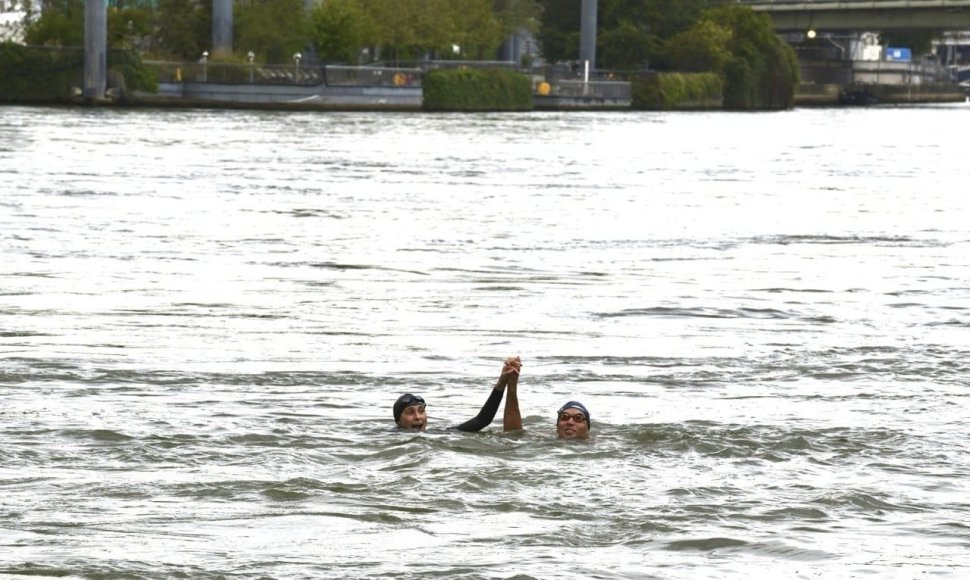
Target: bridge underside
839, 17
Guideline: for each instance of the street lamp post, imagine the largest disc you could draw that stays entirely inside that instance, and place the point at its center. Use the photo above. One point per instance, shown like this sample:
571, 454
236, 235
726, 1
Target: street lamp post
587, 32
205, 66
251, 56
296, 58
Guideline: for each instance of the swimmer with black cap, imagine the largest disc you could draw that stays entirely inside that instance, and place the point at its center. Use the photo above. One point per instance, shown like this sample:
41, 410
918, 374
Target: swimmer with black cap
410, 411
572, 421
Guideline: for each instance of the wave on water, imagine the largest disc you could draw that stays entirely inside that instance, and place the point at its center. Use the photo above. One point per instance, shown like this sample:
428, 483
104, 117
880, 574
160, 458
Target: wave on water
703, 312
886, 241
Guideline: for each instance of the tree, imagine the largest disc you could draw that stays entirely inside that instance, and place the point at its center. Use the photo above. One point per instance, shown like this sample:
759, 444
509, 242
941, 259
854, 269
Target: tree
626, 46
394, 29
14, 30
702, 48
274, 28
183, 28
128, 24
436, 29
516, 15
762, 70
559, 23
413, 29
629, 32
340, 29
478, 31
919, 42
61, 23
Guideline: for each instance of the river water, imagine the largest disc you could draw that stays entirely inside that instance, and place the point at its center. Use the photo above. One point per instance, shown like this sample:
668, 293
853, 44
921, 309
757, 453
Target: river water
206, 316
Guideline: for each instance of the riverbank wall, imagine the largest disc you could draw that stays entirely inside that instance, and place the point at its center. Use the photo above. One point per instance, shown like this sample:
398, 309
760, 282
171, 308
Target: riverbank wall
394, 95
261, 96
321, 97
833, 94
214, 95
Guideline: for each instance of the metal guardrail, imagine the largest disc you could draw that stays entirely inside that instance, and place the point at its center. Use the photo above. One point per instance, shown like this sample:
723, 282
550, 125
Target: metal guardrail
426, 65
360, 76
874, 72
901, 72
339, 76
610, 90
230, 73
364, 76
476, 64
330, 75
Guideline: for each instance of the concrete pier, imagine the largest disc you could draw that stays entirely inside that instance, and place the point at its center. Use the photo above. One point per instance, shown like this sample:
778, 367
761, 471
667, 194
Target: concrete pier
95, 50
221, 27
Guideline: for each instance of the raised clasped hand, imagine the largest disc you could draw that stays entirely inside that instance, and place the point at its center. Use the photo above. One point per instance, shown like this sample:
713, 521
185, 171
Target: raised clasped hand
513, 364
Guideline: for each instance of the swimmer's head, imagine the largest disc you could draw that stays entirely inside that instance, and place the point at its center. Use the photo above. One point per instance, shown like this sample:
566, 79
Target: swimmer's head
409, 412
572, 421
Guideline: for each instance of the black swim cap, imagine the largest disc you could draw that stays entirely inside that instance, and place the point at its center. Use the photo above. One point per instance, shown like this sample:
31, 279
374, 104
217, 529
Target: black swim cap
403, 402
579, 407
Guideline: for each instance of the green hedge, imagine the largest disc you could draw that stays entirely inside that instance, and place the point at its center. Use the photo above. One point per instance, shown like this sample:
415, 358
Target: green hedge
28, 74
666, 91
37, 74
476, 90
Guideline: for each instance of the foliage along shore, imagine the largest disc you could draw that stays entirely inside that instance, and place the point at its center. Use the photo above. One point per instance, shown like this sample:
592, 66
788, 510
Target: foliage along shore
30, 75
755, 68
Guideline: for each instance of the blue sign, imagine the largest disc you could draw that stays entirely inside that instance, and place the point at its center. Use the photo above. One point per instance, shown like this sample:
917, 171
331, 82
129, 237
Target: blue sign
900, 54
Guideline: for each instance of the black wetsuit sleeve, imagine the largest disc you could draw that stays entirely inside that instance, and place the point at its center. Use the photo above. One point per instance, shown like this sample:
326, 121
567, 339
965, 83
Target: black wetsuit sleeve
485, 416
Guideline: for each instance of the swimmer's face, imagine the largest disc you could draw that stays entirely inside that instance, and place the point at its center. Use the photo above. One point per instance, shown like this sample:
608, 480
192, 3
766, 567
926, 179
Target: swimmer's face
414, 417
572, 424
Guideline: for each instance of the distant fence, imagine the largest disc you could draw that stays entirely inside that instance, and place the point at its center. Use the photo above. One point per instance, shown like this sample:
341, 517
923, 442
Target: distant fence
398, 76
479, 64
610, 90
365, 76
900, 73
878, 72
233, 73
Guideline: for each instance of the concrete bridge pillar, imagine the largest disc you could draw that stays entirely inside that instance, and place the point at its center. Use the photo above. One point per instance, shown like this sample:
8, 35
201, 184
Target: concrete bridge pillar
221, 27
511, 49
587, 33
95, 49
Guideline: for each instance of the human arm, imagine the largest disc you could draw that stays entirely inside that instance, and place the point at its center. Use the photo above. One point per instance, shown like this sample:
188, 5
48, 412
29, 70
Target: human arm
490, 408
487, 413
512, 419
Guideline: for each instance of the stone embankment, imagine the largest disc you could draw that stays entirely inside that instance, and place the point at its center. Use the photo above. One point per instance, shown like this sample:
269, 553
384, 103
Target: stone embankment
830, 95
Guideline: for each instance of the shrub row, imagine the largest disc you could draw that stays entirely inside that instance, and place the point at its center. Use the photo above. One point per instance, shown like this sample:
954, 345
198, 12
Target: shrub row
666, 91
476, 90
34, 74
